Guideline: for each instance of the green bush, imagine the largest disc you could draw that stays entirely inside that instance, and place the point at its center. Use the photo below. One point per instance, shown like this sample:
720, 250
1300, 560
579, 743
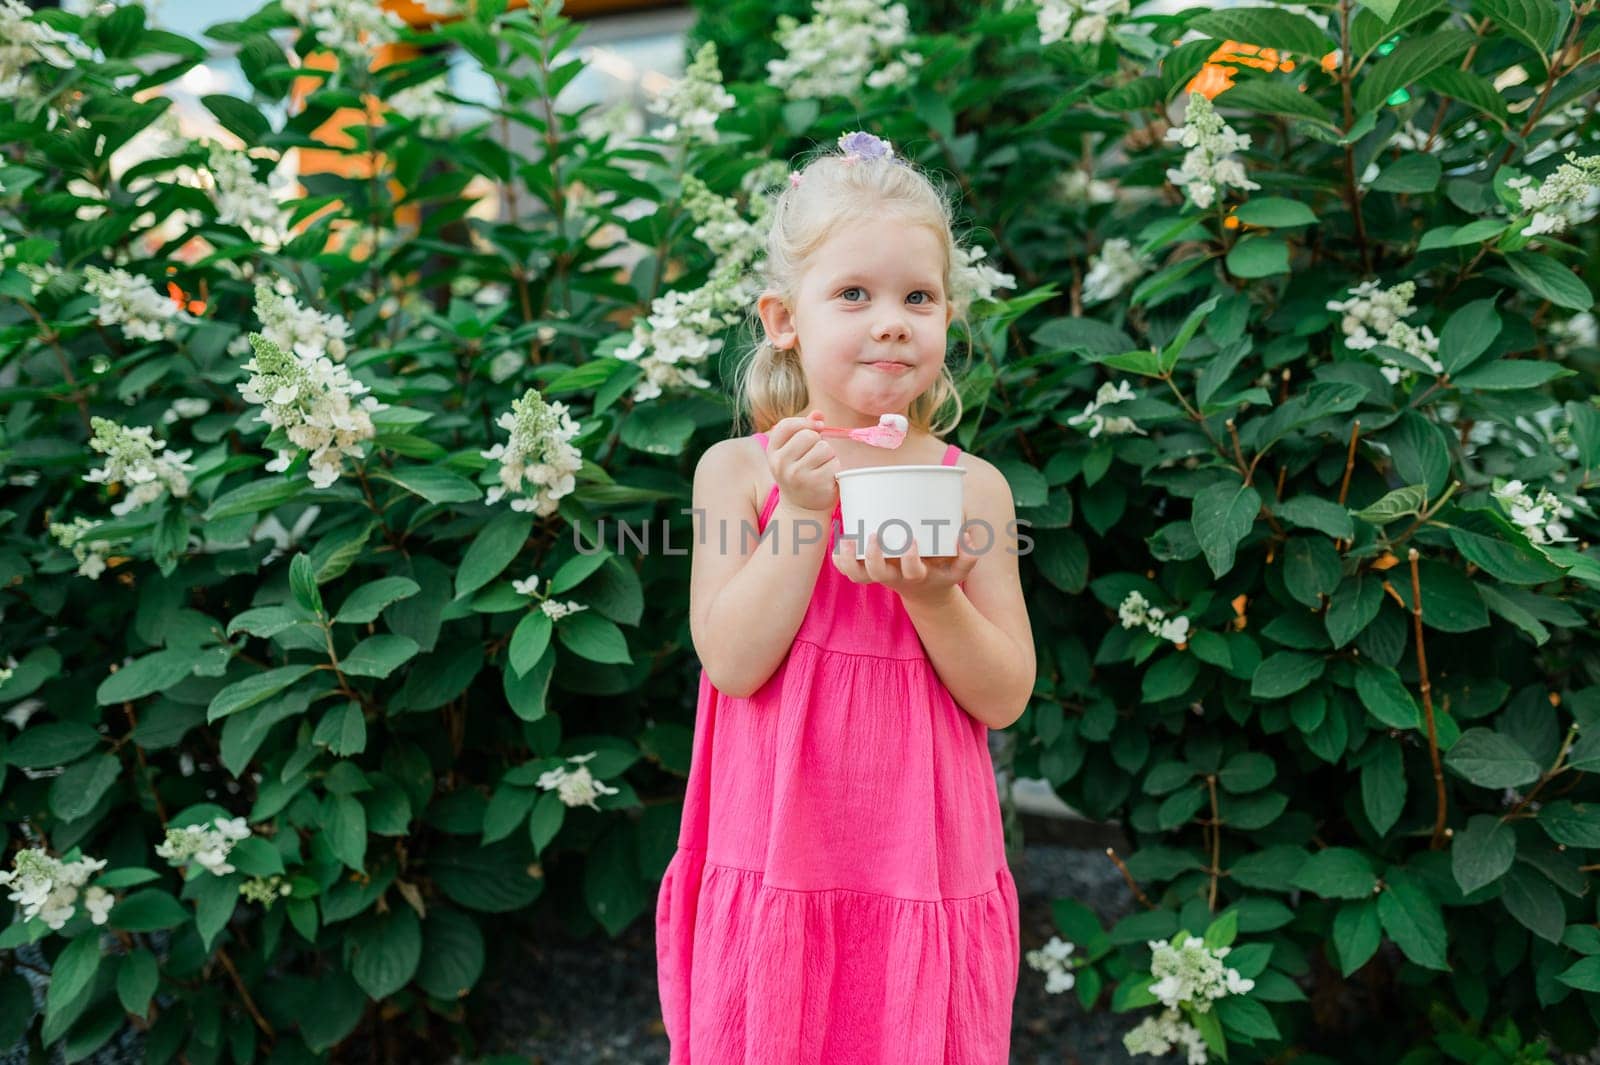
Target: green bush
1304, 413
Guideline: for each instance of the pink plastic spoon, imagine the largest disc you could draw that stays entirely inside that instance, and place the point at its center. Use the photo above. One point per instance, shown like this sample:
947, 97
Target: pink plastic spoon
890, 431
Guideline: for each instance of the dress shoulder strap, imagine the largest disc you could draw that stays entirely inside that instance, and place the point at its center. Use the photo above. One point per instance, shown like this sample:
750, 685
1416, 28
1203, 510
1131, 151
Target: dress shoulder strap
950, 455
761, 438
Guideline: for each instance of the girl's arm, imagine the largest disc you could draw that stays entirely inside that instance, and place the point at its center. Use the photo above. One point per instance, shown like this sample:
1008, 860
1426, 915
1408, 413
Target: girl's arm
747, 597
980, 642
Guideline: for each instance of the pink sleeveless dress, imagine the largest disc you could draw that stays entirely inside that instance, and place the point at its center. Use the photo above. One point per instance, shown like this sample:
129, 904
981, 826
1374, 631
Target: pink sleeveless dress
840, 893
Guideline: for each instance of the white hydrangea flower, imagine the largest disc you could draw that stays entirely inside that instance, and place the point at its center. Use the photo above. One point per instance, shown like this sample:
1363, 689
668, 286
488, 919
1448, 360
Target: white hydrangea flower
293, 326
846, 45
1051, 959
138, 461
245, 201
132, 303
1373, 316
1579, 331
320, 407
1568, 196
1209, 166
576, 787
1135, 610
1537, 516
1569, 120
555, 611
1161, 1034
207, 844
1080, 21
98, 901
353, 28
47, 887
90, 552
425, 104
1192, 974
1116, 267
972, 280
692, 103
185, 408
1107, 394
266, 889
25, 41
1080, 188
538, 455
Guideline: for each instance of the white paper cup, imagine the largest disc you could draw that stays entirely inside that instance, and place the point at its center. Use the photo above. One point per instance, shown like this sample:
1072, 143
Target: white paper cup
899, 504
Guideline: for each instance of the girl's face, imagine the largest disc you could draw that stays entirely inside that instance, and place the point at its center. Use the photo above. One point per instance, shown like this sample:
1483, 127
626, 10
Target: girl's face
870, 320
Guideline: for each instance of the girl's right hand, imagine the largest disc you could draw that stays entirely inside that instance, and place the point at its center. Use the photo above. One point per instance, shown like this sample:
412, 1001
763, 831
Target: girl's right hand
803, 463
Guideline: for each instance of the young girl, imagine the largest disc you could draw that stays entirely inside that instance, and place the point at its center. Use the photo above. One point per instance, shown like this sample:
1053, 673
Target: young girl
840, 893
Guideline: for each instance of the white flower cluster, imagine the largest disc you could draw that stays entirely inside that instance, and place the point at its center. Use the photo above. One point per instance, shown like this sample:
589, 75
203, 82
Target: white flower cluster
1209, 166
1107, 394
243, 200
208, 844
1579, 331
1161, 1034
553, 609
1051, 959
972, 280
185, 408
1537, 516
538, 454
847, 44
1569, 120
295, 327
48, 888
1080, 21
575, 786
425, 104
136, 460
353, 28
681, 330
694, 101
314, 401
1136, 610
266, 889
131, 302
1568, 196
1373, 316
1192, 974
1080, 188
90, 553
1116, 267
25, 41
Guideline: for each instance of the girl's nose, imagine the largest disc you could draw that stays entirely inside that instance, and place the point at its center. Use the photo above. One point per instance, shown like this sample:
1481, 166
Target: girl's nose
893, 328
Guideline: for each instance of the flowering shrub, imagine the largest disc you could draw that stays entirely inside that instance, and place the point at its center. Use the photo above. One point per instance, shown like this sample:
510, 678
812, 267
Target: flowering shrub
1283, 324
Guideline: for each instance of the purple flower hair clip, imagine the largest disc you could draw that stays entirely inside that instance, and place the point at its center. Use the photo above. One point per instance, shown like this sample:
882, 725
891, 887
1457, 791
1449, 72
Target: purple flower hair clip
863, 145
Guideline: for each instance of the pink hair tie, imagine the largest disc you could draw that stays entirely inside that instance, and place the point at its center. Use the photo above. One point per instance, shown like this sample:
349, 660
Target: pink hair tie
794, 181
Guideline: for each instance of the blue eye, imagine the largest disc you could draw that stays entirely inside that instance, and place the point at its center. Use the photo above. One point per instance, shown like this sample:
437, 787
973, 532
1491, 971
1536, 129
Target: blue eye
853, 288
922, 292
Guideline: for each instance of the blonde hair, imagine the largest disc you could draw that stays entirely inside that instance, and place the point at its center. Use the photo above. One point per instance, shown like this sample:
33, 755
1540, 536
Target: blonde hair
833, 189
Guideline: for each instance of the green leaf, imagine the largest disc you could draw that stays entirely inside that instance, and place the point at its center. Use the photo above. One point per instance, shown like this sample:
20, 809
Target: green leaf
1572, 824
1411, 60
255, 497
657, 430
75, 792
1353, 606
1412, 172
493, 550
1385, 696
1546, 278
239, 117
1468, 334
1482, 852
1337, 873
138, 976
577, 569
386, 950
1583, 974
1491, 760
433, 483
303, 583
1529, 897
1456, 236
1476, 92
343, 730
150, 673
452, 953
1402, 502
548, 814
1223, 515
1266, 27
1285, 673
1384, 9
368, 601
345, 826
1412, 918
1275, 98
1511, 375
1383, 786
1356, 934
530, 640
151, 910
1533, 22
72, 973
55, 743
612, 885
268, 621
1275, 212
591, 636
378, 656
1247, 771
1314, 512
1258, 257
253, 689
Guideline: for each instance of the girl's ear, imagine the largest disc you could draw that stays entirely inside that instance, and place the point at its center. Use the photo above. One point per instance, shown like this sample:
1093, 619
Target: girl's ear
777, 320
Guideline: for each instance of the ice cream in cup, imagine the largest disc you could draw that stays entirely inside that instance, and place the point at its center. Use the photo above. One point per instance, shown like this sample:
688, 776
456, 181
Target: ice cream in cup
902, 504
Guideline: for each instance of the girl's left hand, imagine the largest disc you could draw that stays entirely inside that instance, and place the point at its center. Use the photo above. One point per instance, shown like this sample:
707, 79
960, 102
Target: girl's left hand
914, 577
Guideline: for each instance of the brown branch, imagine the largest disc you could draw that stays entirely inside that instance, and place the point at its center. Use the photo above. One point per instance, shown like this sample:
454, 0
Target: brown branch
1437, 840
1133, 885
